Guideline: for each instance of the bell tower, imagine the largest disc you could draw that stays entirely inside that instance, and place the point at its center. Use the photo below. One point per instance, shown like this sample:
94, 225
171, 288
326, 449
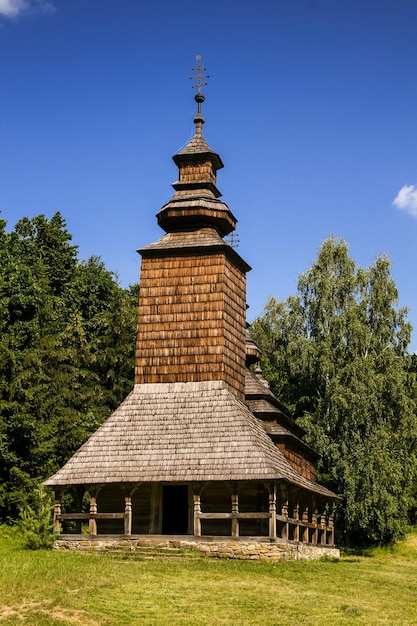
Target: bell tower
192, 304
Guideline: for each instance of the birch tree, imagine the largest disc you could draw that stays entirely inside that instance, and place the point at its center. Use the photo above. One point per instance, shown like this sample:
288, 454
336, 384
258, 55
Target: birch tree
336, 353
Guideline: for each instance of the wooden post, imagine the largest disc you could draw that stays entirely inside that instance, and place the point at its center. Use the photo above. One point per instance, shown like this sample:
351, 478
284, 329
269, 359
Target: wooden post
284, 510
296, 516
304, 519
273, 512
323, 532
331, 524
57, 512
315, 533
284, 513
92, 523
197, 511
235, 511
128, 516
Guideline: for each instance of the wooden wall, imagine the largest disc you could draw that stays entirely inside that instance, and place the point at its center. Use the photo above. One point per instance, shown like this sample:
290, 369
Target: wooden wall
191, 323
295, 457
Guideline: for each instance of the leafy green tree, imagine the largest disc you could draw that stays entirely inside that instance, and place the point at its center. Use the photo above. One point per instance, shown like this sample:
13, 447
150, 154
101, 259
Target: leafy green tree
336, 354
66, 352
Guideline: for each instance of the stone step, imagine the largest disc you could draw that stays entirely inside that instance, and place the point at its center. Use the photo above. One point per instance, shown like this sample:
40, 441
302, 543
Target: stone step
152, 552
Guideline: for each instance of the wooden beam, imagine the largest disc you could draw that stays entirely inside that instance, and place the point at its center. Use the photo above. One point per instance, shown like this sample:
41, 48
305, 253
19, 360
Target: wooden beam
87, 516
262, 515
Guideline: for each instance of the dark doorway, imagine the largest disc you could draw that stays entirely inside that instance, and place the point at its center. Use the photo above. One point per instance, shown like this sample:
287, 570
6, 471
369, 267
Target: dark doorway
175, 510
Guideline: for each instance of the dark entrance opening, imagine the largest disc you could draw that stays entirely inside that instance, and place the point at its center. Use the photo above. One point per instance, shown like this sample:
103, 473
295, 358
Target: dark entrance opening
175, 510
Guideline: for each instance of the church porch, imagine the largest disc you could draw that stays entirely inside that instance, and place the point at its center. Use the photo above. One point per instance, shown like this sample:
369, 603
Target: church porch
208, 511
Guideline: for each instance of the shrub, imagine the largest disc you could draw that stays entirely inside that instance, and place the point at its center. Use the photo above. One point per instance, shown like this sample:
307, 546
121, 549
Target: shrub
36, 522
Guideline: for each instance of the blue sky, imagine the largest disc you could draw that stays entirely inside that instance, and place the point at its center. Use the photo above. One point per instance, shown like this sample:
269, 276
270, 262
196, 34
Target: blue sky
311, 104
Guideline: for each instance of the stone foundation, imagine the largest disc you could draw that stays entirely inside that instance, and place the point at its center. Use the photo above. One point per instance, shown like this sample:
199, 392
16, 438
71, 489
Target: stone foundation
242, 549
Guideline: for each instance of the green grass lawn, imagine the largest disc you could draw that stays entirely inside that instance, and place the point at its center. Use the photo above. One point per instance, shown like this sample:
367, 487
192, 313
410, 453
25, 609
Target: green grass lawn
54, 588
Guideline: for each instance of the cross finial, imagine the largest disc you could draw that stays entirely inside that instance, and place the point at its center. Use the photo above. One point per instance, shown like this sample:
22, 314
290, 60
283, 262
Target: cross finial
199, 98
199, 76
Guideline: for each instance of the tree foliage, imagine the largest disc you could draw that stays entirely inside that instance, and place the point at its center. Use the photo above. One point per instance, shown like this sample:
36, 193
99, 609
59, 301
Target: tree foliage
336, 353
67, 332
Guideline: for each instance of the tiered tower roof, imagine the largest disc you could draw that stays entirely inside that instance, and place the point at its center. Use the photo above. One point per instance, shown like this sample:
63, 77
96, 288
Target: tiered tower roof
195, 202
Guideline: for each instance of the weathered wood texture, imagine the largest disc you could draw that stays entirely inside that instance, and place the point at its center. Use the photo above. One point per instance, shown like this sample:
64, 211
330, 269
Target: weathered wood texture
286, 435
198, 171
191, 324
298, 461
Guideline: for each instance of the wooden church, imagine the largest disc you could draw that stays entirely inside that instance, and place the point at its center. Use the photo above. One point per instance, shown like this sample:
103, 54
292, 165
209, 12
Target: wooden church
200, 447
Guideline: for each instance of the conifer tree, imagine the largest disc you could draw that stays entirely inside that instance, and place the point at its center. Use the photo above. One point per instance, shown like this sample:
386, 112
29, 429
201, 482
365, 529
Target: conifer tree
66, 352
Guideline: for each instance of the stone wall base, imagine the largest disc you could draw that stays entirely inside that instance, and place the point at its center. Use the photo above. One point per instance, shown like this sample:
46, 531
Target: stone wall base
244, 549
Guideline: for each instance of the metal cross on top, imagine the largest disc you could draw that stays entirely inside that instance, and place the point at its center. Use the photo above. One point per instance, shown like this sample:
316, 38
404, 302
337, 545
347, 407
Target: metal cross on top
199, 77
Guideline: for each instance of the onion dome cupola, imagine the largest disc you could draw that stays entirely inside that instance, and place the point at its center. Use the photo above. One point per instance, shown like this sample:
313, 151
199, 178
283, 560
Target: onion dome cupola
195, 203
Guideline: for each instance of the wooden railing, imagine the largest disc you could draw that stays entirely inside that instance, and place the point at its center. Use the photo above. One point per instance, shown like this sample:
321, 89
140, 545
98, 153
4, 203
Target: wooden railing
287, 528
307, 532
311, 528
93, 516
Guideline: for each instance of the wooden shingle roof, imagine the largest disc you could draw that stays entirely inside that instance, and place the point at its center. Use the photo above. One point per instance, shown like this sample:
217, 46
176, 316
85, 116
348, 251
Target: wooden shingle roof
179, 432
274, 416
196, 146
199, 241
201, 238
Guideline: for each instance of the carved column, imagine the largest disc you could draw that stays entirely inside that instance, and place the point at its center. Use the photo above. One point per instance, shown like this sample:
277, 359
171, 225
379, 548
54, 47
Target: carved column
92, 523
304, 519
197, 511
323, 532
315, 533
296, 516
284, 513
331, 524
128, 516
57, 513
273, 512
235, 511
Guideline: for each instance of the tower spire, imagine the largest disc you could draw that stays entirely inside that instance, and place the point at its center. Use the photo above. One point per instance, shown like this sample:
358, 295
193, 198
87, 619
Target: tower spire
195, 203
201, 82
